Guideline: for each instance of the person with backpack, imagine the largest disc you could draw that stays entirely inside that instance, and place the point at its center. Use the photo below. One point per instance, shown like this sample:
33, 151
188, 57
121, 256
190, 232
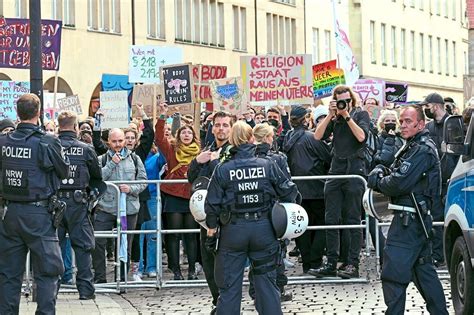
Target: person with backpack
118, 164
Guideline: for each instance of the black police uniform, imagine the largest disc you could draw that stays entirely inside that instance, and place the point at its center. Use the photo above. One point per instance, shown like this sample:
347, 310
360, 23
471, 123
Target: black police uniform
31, 165
407, 253
74, 192
241, 193
197, 170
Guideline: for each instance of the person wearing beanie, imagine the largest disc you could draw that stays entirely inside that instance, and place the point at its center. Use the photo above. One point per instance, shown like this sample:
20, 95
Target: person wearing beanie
6, 126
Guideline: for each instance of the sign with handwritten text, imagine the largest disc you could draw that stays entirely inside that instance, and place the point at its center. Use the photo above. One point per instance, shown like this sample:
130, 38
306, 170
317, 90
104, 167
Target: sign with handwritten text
114, 107
178, 85
202, 74
70, 103
10, 92
277, 80
325, 78
145, 61
228, 95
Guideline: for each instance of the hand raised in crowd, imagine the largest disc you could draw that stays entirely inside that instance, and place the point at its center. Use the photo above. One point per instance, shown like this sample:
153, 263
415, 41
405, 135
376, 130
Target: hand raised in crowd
391, 132
163, 108
116, 158
282, 110
86, 137
140, 111
204, 157
124, 188
216, 154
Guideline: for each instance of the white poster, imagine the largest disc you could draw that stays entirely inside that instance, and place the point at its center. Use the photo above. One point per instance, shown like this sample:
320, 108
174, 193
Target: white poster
114, 108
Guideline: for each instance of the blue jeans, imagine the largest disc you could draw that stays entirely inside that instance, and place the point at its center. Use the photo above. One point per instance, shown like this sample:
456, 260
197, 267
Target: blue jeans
150, 239
66, 252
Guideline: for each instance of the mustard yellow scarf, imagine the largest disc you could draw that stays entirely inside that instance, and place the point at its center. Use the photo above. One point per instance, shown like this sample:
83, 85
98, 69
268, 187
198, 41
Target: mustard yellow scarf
185, 154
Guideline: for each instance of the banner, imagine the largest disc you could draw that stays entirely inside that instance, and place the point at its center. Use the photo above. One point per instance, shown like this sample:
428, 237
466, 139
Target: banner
10, 92
177, 83
325, 78
143, 93
202, 74
145, 61
345, 55
70, 103
371, 89
277, 80
228, 95
396, 92
114, 107
15, 43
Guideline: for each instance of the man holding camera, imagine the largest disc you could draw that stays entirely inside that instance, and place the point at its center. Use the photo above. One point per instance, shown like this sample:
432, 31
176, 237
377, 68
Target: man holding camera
350, 127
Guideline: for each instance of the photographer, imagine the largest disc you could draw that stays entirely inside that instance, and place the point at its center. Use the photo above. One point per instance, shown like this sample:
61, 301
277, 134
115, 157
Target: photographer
350, 127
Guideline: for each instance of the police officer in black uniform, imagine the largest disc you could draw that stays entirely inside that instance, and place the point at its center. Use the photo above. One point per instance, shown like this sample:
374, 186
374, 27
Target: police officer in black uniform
31, 165
413, 183
241, 194
75, 192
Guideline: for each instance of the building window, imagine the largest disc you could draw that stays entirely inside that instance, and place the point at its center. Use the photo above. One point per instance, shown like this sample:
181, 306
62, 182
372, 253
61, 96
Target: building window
104, 15
453, 3
437, 6
327, 45
21, 8
430, 54
412, 3
281, 34
292, 2
446, 55
373, 57
412, 50
315, 45
421, 5
446, 7
383, 45
438, 48
393, 46
240, 28
422, 52
466, 64
63, 10
455, 71
403, 48
156, 18
199, 22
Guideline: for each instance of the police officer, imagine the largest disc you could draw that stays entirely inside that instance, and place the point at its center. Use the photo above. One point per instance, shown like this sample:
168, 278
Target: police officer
241, 194
75, 192
414, 177
31, 166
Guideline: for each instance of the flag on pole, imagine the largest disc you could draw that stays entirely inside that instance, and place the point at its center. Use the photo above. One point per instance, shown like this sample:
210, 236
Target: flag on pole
123, 256
345, 55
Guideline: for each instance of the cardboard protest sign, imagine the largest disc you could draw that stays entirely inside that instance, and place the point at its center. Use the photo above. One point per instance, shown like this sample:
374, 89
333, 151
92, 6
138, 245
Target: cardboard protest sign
183, 109
366, 88
202, 74
145, 61
70, 103
228, 95
114, 107
143, 93
10, 92
178, 84
396, 92
325, 78
277, 80
48, 99
15, 43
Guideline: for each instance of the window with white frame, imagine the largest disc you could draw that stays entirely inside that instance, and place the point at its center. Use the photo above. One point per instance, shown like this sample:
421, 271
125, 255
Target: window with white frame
292, 2
412, 50
430, 54
240, 28
421, 5
455, 71
412, 3
21, 8
437, 6
438, 48
446, 7
446, 55
281, 34
373, 56
383, 45
200, 22
403, 48
327, 45
63, 10
156, 19
422, 52
466, 64
393, 46
454, 3
104, 15
315, 45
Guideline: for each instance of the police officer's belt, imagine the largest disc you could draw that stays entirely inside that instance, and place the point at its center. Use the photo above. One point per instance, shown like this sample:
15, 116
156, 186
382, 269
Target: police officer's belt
41, 203
401, 208
251, 215
70, 193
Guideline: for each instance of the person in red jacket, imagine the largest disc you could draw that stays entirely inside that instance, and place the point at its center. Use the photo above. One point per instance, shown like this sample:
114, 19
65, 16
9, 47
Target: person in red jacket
179, 153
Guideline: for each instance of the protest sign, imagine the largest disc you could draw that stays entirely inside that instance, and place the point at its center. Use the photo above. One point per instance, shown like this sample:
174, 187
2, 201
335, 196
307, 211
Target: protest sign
325, 78
70, 103
145, 61
10, 92
183, 109
396, 92
277, 80
178, 85
15, 43
143, 93
114, 107
48, 99
366, 88
202, 74
228, 95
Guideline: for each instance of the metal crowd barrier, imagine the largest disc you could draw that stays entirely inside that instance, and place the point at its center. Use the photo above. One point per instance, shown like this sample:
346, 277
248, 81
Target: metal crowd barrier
160, 282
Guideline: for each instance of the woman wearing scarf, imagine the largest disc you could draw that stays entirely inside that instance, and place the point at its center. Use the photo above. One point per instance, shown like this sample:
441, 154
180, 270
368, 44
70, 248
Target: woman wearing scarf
179, 153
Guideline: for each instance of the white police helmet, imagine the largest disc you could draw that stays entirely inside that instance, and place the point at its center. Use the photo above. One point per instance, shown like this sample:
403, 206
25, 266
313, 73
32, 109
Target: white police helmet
289, 220
376, 205
196, 205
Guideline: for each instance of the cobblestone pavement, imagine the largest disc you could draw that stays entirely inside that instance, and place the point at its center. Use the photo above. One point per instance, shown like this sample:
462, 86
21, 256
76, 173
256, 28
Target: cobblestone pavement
311, 298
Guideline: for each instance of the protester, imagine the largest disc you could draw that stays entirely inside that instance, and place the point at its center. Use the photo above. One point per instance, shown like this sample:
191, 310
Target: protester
6, 126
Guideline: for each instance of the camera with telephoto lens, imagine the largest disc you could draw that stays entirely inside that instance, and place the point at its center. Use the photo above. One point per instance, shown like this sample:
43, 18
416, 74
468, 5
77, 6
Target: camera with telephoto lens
342, 104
